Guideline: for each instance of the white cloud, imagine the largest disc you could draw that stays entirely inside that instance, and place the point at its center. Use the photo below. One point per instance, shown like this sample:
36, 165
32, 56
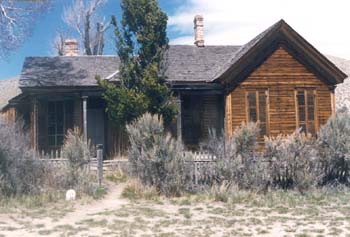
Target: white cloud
324, 23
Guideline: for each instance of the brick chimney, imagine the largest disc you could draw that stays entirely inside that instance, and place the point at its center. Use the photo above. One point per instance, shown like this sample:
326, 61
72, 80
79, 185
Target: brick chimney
199, 31
71, 47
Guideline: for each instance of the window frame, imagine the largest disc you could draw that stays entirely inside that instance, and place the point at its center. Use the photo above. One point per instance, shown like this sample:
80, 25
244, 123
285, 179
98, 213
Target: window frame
306, 91
55, 135
257, 106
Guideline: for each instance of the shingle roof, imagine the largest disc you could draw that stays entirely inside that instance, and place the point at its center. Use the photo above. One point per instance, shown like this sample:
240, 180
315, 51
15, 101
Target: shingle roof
66, 71
193, 64
183, 63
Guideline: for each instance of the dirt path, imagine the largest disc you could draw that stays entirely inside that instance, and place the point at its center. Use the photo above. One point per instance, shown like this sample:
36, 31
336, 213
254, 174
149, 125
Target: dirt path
114, 216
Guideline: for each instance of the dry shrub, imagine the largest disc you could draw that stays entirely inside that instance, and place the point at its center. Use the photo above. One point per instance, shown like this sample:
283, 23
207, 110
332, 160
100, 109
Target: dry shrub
293, 161
20, 173
156, 158
134, 190
238, 161
333, 140
76, 174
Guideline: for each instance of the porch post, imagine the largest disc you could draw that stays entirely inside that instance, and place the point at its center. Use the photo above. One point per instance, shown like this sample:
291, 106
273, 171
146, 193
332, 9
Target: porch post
178, 119
85, 117
35, 126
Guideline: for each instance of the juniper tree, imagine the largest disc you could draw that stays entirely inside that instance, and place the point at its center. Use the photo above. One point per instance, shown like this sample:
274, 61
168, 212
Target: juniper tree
141, 41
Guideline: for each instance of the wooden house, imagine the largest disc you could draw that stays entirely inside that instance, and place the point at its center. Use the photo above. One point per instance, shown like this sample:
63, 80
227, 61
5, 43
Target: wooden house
278, 79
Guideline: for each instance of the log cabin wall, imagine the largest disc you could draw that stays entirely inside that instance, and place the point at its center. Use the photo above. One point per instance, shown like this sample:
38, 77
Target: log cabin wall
280, 77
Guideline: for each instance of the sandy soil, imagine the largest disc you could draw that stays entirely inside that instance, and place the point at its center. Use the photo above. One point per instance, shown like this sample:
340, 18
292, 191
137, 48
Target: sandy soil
115, 216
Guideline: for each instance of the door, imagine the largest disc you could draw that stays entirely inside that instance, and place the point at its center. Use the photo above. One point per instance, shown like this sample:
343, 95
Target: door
95, 124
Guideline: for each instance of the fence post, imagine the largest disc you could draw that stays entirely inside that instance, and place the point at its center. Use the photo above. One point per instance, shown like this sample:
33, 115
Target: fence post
99, 164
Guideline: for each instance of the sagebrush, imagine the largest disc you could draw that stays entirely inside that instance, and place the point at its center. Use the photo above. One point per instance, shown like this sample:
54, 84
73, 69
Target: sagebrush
156, 158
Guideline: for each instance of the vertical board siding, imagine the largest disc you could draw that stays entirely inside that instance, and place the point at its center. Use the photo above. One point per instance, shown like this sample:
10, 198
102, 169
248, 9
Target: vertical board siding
281, 74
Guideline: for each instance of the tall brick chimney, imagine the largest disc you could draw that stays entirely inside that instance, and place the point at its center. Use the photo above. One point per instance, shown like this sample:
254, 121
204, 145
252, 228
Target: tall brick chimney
198, 30
71, 47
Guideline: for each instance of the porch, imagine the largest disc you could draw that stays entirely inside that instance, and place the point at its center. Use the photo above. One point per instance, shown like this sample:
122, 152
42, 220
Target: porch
48, 117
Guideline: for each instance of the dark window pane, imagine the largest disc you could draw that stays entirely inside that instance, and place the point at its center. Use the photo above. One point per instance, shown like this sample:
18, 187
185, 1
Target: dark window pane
301, 113
301, 98
311, 106
52, 141
252, 98
51, 129
262, 129
262, 107
60, 140
252, 115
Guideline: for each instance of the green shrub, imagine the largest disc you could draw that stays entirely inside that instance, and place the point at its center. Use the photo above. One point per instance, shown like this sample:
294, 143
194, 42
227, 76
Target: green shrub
333, 140
293, 161
156, 158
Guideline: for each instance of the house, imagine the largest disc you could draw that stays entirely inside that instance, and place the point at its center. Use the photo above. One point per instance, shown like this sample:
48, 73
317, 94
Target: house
278, 79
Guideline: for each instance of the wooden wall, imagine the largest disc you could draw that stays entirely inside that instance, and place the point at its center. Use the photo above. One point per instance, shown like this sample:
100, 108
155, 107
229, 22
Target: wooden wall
9, 115
280, 74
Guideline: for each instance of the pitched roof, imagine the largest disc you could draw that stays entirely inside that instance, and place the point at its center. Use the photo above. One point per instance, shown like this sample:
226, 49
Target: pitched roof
262, 46
185, 63
66, 70
8, 89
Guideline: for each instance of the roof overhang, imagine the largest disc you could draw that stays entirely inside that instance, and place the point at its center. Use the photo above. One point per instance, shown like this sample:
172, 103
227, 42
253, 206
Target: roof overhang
280, 34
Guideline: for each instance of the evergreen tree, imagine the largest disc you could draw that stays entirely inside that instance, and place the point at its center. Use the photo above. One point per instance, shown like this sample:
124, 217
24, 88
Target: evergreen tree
141, 41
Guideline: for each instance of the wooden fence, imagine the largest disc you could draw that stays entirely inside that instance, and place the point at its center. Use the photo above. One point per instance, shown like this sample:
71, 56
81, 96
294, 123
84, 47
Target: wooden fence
201, 164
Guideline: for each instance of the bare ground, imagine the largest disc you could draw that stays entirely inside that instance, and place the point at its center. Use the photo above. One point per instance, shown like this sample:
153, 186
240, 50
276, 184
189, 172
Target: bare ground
246, 215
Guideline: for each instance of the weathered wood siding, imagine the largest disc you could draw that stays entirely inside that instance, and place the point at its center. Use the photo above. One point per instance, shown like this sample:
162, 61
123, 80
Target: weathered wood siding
9, 115
281, 74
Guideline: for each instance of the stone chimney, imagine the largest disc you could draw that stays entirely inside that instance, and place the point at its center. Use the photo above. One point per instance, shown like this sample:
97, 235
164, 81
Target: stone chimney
71, 47
198, 31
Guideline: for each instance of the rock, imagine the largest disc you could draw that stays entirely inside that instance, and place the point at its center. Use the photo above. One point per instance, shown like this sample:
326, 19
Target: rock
70, 195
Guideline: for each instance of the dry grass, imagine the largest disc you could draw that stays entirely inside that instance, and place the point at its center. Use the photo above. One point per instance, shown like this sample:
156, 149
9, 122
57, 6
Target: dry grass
318, 213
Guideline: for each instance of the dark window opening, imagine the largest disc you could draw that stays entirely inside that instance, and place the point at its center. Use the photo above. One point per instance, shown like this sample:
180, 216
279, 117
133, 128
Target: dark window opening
257, 109
56, 123
306, 110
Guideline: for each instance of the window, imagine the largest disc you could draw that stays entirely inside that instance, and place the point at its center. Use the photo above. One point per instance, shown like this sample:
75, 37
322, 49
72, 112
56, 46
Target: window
55, 123
305, 101
257, 109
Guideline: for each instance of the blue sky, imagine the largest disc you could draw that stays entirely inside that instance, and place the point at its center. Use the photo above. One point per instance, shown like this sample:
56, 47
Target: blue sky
324, 23
40, 43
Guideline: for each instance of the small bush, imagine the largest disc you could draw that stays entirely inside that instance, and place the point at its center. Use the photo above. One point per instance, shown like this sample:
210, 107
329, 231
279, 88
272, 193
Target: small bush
333, 140
20, 173
77, 174
237, 162
293, 161
156, 158
135, 190
117, 176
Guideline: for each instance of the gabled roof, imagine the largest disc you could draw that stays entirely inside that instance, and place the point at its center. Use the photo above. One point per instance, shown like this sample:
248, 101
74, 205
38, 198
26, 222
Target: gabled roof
185, 64
262, 46
67, 70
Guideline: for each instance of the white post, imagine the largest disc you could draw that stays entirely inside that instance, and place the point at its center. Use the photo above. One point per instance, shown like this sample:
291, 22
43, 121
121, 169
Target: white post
99, 164
178, 120
85, 117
